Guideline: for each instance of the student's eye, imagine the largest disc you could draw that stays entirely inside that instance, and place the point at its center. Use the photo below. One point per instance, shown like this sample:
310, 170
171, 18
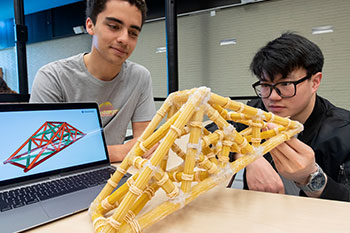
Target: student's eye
264, 85
134, 34
284, 84
113, 26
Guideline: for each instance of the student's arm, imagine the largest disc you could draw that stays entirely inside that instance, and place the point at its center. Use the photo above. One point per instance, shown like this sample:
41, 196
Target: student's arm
296, 161
118, 152
261, 176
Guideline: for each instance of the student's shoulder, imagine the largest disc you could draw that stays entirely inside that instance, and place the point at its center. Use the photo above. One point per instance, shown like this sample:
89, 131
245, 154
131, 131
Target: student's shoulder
336, 117
335, 111
64, 63
134, 67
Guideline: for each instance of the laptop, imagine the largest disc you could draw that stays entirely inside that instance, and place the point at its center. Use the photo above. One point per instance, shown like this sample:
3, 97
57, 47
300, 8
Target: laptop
53, 162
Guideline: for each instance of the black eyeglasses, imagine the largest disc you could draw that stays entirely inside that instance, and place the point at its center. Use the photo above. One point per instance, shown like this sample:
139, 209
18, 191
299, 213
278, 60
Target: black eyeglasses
285, 89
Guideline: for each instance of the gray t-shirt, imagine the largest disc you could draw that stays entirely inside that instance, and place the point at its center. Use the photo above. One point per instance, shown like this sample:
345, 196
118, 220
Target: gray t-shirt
128, 97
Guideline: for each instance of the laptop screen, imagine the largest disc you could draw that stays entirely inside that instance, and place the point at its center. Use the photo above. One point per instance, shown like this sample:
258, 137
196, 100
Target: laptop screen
49, 138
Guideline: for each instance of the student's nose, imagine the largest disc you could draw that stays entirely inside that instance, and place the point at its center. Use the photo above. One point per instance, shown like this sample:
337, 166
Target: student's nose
123, 36
274, 95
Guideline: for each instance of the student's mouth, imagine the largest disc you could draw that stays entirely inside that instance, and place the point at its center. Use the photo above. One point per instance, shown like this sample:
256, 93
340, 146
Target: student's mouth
276, 108
119, 51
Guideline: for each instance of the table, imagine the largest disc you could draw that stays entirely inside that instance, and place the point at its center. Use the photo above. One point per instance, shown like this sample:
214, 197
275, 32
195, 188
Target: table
233, 210
222, 210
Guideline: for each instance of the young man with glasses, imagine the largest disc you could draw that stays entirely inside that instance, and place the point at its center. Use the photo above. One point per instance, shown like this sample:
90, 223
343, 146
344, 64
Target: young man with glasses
317, 162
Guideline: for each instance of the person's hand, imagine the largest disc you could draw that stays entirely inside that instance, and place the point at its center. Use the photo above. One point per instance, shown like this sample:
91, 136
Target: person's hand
261, 176
118, 152
294, 159
149, 153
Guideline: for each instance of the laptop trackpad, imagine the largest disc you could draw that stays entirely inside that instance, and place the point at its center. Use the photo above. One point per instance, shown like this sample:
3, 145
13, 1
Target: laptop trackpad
27, 217
71, 203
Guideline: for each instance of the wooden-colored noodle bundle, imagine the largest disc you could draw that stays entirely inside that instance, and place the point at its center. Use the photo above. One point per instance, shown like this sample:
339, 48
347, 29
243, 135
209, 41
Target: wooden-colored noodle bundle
205, 161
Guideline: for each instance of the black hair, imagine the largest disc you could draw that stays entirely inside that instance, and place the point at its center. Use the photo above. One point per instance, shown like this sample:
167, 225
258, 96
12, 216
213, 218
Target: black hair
95, 7
4, 89
288, 52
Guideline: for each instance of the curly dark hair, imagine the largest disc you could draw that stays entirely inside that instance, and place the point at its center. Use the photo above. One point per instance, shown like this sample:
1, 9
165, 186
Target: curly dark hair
285, 54
4, 89
94, 7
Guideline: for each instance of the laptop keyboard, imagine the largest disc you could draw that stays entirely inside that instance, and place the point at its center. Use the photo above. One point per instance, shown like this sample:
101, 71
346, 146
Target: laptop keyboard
43, 191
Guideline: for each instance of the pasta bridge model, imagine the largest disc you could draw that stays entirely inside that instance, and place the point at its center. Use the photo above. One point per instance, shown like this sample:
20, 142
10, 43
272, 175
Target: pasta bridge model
205, 162
48, 140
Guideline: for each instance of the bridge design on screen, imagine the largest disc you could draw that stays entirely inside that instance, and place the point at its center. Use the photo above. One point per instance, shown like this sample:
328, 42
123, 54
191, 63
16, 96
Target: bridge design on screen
48, 140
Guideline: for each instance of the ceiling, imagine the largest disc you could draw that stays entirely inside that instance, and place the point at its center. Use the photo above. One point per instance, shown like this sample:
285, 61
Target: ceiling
30, 6
156, 8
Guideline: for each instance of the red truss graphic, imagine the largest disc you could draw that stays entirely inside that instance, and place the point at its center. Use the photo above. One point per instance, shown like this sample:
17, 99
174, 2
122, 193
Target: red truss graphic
48, 140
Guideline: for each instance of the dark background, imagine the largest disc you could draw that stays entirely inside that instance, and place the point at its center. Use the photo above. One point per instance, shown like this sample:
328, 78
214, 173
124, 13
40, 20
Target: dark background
58, 22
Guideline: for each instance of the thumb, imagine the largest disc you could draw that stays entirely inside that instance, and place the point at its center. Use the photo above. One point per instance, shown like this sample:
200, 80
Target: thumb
271, 125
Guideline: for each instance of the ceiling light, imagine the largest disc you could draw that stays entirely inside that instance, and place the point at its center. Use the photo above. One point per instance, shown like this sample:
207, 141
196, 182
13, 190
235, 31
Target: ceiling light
79, 29
228, 42
161, 50
323, 29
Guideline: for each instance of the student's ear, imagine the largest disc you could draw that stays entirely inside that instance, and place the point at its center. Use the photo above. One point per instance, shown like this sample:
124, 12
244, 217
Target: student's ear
316, 81
89, 26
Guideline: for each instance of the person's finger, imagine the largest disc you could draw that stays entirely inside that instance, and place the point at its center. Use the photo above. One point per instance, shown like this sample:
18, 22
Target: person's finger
281, 191
282, 162
271, 125
275, 156
287, 152
149, 153
298, 146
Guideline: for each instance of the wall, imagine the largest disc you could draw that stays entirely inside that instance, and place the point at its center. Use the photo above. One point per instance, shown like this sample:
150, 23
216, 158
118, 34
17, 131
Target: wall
39, 54
42, 53
225, 69
203, 62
